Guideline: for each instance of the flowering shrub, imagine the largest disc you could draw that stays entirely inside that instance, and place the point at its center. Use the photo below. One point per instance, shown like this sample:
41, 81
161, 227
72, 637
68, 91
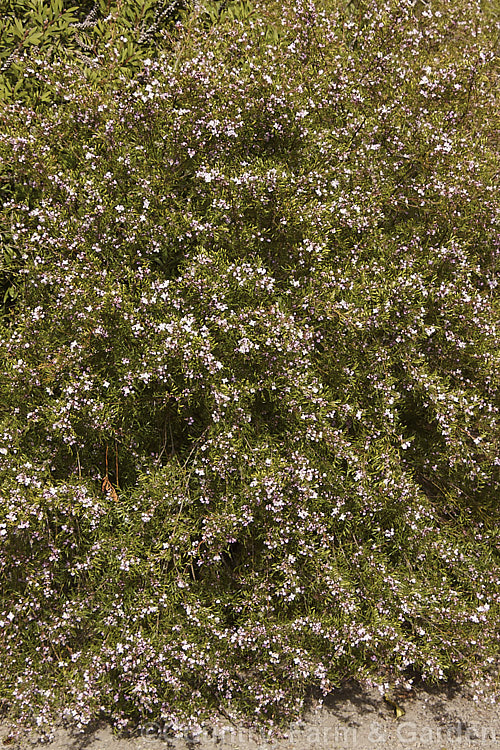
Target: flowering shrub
249, 422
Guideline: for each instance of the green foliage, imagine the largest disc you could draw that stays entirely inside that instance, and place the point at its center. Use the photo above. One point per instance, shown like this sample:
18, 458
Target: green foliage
108, 42
8, 286
27, 27
249, 403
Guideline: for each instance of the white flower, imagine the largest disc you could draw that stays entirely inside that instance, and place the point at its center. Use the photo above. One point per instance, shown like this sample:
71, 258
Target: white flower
244, 346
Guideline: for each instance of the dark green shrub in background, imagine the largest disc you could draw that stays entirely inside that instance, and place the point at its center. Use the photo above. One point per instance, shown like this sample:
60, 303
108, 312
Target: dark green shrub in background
249, 425
108, 38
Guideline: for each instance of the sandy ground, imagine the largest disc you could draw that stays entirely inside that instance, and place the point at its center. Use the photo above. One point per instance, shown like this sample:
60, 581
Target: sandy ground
353, 718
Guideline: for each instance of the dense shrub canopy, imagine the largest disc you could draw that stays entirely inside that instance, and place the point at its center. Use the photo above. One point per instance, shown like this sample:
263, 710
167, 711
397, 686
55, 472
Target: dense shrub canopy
105, 37
249, 421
